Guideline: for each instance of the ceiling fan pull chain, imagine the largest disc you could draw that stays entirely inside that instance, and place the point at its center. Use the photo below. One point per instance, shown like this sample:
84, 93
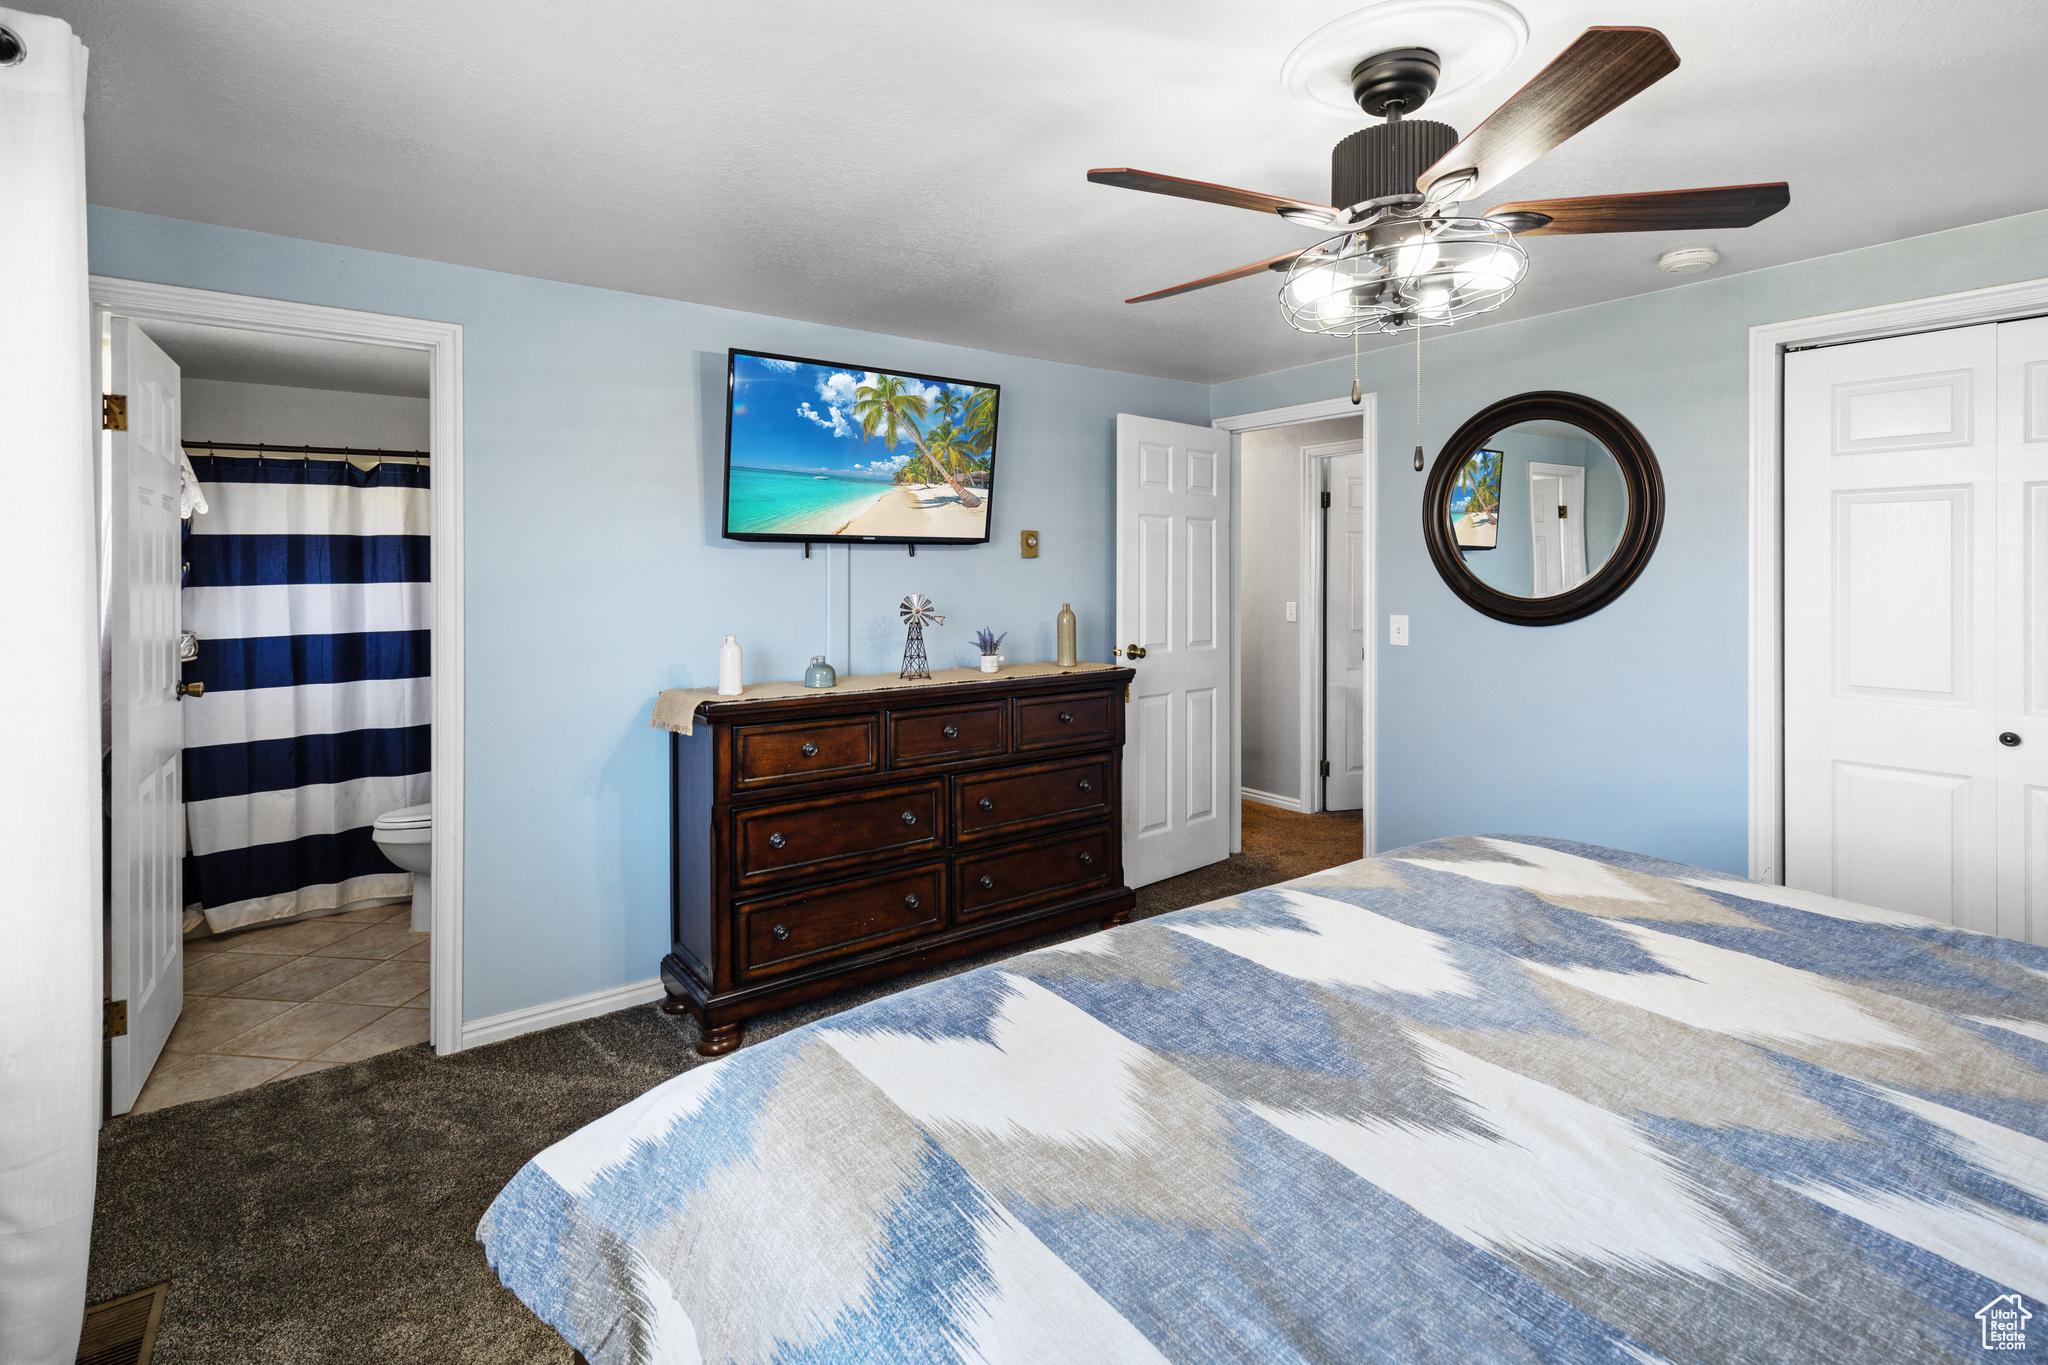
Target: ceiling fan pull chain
1357, 394
1418, 397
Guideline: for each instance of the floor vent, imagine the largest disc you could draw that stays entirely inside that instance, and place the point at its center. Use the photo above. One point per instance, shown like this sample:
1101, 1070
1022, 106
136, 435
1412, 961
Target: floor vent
122, 1331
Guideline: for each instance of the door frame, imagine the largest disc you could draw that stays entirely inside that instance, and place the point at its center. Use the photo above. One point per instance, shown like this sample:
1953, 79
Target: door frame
442, 341
1768, 343
1367, 411
1315, 681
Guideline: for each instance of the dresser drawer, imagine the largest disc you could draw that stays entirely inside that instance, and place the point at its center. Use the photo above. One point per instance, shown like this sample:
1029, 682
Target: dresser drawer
804, 838
1061, 722
945, 734
1015, 878
803, 751
782, 933
995, 805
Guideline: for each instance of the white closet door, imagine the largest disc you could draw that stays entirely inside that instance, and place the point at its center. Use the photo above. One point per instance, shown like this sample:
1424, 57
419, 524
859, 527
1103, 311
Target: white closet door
1892, 624
2023, 629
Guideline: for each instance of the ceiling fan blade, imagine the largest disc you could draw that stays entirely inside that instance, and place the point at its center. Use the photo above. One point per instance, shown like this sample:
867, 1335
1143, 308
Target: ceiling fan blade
1605, 68
1294, 210
1727, 206
1270, 263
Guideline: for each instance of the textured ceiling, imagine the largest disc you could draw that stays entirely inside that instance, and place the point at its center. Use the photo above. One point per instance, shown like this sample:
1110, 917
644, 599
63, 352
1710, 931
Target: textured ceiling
916, 168
299, 362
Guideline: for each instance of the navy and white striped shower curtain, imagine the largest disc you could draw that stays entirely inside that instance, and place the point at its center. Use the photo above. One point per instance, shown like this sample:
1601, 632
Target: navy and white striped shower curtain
308, 589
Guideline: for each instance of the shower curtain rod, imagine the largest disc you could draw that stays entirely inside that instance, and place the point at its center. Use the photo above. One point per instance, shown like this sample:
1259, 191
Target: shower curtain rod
344, 451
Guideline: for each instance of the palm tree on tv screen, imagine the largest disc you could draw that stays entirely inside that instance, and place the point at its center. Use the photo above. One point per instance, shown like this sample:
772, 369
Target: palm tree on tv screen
889, 406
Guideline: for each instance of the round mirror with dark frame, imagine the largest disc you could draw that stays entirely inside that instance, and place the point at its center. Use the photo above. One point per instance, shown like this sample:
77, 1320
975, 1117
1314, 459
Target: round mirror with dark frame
1543, 508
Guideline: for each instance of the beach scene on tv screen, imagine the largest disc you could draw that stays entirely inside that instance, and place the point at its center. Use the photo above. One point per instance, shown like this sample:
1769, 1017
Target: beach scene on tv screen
827, 450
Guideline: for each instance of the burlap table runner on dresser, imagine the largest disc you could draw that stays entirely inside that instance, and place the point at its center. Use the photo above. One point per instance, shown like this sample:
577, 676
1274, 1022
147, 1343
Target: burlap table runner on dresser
676, 708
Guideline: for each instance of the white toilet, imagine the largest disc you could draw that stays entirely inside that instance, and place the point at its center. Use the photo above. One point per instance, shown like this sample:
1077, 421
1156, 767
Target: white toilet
407, 838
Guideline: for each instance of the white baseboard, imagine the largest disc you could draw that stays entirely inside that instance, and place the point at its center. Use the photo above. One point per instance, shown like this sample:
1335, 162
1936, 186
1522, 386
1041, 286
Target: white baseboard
1292, 803
499, 1027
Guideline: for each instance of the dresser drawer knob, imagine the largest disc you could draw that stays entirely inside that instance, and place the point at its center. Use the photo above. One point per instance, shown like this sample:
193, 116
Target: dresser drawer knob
910, 901
776, 841
781, 932
910, 817
988, 883
1066, 717
1086, 785
1087, 858
810, 749
986, 804
951, 732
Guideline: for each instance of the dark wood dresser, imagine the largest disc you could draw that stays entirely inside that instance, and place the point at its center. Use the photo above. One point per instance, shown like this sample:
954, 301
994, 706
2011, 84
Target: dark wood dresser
830, 839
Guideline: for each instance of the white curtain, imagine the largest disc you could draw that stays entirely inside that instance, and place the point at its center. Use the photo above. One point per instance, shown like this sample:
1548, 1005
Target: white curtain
50, 972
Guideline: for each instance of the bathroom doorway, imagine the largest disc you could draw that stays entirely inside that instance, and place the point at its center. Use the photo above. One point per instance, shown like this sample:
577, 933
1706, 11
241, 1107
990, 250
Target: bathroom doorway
258, 925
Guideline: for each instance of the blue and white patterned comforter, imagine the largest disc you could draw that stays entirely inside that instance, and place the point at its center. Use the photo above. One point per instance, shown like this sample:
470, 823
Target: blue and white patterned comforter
1481, 1100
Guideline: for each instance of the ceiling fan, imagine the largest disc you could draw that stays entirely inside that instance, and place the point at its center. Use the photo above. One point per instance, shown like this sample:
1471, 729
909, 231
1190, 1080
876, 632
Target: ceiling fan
1403, 255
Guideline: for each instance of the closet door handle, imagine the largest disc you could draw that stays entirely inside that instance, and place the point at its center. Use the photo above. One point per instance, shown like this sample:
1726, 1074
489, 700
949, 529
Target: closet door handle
776, 841
781, 932
951, 732
986, 804
2010, 739
910, 901
810, 749
910, 817
988, 883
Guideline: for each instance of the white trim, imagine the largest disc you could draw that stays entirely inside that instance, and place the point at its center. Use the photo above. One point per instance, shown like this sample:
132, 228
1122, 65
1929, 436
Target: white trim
1269, 799
442, 341
1314, 683
575, 1009
1767, 346
1367, 411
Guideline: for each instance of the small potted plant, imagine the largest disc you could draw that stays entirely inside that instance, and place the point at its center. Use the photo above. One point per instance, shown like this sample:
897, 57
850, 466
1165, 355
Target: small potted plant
990, 642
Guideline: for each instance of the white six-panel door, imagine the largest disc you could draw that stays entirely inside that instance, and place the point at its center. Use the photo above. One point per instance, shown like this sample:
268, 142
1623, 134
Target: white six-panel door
1916, 558
1173, 604
1346, 617
145, 939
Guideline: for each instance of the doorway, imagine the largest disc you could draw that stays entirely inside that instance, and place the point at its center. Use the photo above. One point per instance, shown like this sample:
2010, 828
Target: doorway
308, 429
1254, 665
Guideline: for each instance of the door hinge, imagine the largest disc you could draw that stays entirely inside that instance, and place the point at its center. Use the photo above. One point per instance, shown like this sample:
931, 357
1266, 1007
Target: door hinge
1326, 498
1127, 694
114, 1023
1326, 767
1563, 511
113, 412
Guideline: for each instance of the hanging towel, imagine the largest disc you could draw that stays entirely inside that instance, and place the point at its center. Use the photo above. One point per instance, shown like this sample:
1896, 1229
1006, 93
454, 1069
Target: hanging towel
191, 498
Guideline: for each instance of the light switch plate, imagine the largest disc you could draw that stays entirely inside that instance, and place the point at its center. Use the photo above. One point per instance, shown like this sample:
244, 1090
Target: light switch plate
1290, 611
1028, 540
1397, 630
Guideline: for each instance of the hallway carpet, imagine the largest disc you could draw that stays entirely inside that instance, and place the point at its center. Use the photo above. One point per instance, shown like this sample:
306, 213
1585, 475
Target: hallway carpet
331, 1217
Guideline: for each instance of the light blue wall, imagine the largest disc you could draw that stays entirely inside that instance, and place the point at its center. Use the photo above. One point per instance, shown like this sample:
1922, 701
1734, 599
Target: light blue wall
596, 576
594, 441
1629, 727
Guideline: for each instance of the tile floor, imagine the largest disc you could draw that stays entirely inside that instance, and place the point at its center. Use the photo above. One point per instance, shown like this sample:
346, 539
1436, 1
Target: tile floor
263, 1004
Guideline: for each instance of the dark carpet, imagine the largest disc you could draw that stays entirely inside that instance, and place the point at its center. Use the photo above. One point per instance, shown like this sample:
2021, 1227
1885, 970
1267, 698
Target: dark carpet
332, 1217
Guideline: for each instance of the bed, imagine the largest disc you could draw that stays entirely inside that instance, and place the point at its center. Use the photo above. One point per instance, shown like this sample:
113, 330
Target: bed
1481, 1100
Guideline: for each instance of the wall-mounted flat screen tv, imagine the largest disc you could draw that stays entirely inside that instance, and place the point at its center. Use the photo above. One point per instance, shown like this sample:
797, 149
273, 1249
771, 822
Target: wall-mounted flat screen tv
823, 452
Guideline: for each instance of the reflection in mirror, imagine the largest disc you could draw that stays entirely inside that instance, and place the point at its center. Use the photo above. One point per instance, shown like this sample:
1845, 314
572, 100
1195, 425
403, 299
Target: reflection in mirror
1538, 509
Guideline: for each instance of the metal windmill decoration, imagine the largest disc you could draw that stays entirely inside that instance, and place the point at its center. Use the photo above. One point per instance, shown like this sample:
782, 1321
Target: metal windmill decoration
915, 611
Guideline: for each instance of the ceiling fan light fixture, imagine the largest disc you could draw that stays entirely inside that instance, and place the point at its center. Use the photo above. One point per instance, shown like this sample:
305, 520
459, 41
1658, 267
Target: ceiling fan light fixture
1428, 275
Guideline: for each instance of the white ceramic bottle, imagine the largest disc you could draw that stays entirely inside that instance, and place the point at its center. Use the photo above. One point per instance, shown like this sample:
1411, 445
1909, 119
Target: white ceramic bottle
729, 667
